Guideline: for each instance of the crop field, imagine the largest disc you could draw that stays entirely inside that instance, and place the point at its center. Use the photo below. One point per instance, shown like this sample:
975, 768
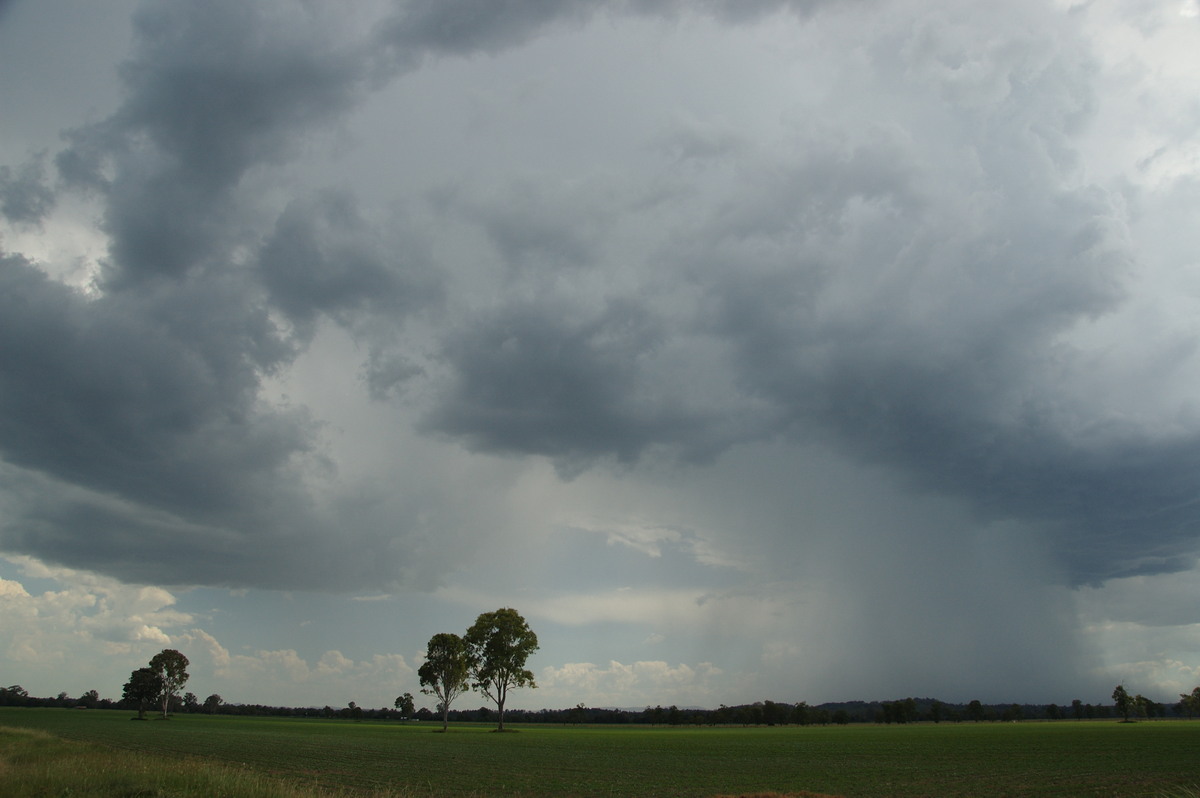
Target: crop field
1155, 758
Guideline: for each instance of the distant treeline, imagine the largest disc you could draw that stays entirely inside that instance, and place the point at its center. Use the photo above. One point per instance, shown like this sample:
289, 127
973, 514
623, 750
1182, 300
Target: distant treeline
762, 713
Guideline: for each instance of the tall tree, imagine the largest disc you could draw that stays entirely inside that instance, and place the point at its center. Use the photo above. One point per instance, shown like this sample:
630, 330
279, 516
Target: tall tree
404, 704
171, 666
1124, 701
144, 687
498, 644
445, 672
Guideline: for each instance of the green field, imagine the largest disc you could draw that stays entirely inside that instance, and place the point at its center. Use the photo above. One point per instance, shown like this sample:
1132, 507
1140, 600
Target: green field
1156, 758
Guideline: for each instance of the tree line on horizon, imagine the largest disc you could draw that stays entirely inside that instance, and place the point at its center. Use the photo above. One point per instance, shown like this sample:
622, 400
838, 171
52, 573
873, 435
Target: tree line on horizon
490, 657
759, 713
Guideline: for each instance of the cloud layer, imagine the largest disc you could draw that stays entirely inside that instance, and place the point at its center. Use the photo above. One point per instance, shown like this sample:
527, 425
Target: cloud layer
354, 277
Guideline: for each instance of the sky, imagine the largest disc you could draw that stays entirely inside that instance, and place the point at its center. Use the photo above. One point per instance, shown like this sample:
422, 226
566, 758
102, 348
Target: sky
802, 350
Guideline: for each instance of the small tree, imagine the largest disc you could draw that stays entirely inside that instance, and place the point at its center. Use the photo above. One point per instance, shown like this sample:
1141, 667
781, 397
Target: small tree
404, 704
498, 644
1123, 701
212, 703
445, 672
144, 687
171, 666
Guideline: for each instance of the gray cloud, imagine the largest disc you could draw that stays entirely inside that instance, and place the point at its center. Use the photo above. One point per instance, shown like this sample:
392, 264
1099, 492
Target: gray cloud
466, 27
905, 293
25, 196
926, 330
469, 26
324, 258
569, 384
535, 229
897, 273
146, 394
149, 397
210, 94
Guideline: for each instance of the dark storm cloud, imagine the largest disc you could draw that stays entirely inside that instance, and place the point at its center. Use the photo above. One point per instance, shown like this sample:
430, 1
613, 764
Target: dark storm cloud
325, 258
25, 196
925, 330
462, 27
527, 231
895, 278
282, 540
138, 406
149, 397
904, 293
210, 93
541, 379
465, 27
145, 396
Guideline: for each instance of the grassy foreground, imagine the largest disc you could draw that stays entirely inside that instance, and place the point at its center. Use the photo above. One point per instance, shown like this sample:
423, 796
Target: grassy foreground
35, 764
288, 758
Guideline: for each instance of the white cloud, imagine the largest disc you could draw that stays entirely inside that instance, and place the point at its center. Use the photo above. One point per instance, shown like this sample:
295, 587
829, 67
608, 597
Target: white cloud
1145, 631
87, 619
12, 590
115, 628
633, 684
332, 662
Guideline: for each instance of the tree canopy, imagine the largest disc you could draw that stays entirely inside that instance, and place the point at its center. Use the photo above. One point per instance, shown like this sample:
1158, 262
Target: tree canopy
498, 644
171, 667
144, 687
445, 672
1123, 701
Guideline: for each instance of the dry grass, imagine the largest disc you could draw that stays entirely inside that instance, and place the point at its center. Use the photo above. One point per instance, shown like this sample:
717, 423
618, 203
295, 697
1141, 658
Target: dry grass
36, 764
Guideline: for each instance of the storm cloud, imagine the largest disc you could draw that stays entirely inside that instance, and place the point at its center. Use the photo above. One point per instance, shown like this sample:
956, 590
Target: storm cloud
370, 300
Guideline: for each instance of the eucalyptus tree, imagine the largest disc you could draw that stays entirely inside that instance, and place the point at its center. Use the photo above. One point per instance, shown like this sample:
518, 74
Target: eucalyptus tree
1123, 701
445, 672
498, 645
171, 667
144, 687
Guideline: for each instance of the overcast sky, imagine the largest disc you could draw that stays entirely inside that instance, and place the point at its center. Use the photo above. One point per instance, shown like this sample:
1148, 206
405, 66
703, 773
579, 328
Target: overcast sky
813, 350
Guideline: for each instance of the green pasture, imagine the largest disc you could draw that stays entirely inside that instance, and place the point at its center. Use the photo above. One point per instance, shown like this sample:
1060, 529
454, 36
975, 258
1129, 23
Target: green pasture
1151, 758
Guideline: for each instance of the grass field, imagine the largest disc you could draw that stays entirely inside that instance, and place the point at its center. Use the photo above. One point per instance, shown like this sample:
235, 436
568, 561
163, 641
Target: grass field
1160, 758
